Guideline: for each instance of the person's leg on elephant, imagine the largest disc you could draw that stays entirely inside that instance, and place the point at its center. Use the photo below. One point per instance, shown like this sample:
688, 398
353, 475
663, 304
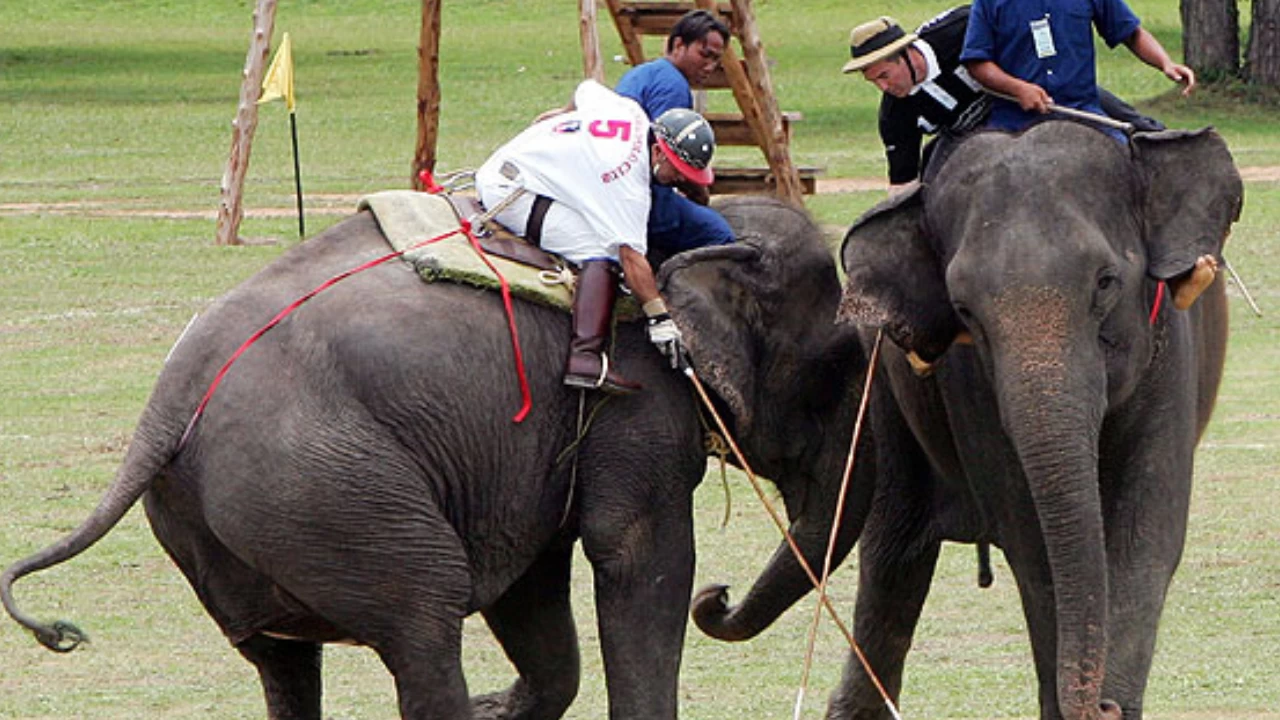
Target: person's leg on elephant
677, 223
588, 365
533, 621
1118, 109
569, 234
935, 152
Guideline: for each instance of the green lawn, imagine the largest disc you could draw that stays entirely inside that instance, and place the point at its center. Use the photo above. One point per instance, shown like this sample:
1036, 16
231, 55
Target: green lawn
114, 112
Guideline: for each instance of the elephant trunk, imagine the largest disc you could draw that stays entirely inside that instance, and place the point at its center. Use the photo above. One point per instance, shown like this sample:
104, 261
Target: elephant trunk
1053, 416
1064, 488
783, 580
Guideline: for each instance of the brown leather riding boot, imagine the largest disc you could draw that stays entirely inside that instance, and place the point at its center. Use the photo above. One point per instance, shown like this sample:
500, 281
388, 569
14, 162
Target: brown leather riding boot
588, 365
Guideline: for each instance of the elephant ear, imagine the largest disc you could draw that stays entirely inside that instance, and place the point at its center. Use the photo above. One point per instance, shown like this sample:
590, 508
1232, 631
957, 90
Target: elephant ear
1193, 194
895, 277
710, 307
758, 315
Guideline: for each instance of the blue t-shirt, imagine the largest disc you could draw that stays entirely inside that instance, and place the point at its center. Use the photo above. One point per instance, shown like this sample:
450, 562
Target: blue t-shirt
658, 86
676, 223
1002, 31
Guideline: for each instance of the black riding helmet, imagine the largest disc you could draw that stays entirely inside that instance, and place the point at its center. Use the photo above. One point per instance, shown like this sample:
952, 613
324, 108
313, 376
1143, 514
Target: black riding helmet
686, 139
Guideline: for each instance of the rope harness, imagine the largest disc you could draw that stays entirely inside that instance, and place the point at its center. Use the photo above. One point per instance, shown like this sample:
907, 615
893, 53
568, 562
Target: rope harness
824, 602
465, 227
715, 441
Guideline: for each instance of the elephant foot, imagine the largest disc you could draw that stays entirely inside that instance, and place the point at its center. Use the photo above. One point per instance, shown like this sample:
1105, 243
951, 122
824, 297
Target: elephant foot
1187, 289
513, 704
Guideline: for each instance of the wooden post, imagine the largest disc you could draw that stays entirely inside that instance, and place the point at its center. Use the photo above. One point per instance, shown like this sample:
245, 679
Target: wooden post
424, 156
230, 207
630, 41
775, 146
592, 67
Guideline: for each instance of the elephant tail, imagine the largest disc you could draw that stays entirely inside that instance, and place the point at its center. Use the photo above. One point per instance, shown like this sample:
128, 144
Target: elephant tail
142, 465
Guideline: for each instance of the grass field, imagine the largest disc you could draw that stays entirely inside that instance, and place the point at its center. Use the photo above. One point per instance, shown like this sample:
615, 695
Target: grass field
114, 129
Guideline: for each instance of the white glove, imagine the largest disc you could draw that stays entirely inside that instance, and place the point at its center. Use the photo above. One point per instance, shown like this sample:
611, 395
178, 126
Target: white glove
664, 333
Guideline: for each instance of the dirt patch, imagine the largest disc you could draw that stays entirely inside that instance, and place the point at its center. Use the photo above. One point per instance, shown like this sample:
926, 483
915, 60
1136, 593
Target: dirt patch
345, 204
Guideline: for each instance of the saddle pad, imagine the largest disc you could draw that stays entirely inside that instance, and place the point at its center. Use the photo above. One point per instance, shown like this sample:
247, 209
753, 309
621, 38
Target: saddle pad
407, 217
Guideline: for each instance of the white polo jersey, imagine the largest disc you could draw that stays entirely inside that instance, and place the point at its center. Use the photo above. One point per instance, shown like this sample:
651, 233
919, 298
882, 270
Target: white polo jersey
594, 160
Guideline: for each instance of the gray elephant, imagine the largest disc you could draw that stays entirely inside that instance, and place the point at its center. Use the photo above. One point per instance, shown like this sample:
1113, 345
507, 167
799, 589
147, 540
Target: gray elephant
357, 476
1064, 431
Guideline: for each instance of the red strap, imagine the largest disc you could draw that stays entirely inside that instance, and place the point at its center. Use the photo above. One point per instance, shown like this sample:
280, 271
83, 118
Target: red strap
1155, 306
464, 228
527, 399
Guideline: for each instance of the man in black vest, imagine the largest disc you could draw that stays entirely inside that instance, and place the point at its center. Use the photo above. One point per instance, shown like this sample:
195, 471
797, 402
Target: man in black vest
927, 90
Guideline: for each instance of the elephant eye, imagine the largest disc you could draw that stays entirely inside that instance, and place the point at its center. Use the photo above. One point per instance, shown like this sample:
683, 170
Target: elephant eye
1106, 292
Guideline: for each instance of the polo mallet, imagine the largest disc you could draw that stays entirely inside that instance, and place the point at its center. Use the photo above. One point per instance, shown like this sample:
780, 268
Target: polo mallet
1240, 284
1072, 113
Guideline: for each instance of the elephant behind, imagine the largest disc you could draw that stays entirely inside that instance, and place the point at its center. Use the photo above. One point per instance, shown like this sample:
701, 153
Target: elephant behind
1065, 432
357, 476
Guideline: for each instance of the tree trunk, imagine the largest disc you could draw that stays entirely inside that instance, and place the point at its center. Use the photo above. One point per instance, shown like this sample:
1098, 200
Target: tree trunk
1211, 37
1264, 44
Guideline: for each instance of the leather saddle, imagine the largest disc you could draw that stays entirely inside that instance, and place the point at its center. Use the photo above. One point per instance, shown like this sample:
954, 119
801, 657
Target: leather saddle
496, 239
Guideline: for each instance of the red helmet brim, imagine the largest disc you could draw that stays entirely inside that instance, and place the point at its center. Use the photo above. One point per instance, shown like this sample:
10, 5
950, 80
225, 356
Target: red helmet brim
704, 176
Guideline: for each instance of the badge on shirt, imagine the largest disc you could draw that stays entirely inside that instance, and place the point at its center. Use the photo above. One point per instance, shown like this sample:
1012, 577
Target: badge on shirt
1043, 38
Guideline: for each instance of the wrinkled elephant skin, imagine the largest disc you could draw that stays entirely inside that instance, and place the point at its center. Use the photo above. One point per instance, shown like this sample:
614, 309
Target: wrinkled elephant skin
1063, 431
357, 475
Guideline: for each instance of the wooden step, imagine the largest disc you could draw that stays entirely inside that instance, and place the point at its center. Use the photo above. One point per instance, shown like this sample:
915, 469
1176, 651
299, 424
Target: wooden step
747, 181
657, 17
732, 128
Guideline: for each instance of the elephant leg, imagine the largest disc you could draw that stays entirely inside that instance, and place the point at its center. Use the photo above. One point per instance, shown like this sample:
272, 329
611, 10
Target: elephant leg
643, 575
533, 620
895, 574
1028, 560
290, 674
1146, 517
401, 588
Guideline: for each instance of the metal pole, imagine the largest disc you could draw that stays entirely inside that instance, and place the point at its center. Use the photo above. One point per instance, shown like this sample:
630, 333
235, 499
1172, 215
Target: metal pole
297, 173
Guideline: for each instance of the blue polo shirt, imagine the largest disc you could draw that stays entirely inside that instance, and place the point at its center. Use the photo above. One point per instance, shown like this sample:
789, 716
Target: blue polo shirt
676, 223
658, 86
1001, 31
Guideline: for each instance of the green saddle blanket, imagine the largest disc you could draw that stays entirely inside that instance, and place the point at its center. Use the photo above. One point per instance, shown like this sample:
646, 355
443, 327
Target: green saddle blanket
409, 217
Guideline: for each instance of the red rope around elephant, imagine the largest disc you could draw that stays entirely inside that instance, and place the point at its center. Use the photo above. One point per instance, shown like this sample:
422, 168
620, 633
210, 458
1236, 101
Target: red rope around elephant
465, 228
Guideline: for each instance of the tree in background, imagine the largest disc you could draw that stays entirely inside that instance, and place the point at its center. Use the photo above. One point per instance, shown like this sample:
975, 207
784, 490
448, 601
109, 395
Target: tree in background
1211, 38
1211, 41
1263, 52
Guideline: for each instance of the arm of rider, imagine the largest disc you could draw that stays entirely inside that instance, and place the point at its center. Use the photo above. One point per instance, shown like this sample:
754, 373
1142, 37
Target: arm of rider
1148, 49
1029, 96
662, 330
555, 111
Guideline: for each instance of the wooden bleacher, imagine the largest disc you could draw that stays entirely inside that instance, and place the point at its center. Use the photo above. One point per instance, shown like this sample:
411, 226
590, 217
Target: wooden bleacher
758, 123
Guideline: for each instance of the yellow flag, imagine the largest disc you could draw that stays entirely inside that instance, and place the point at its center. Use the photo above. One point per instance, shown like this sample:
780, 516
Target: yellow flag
279, 80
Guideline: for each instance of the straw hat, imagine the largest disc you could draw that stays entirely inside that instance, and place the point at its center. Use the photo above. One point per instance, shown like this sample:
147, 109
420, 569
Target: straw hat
876, 40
